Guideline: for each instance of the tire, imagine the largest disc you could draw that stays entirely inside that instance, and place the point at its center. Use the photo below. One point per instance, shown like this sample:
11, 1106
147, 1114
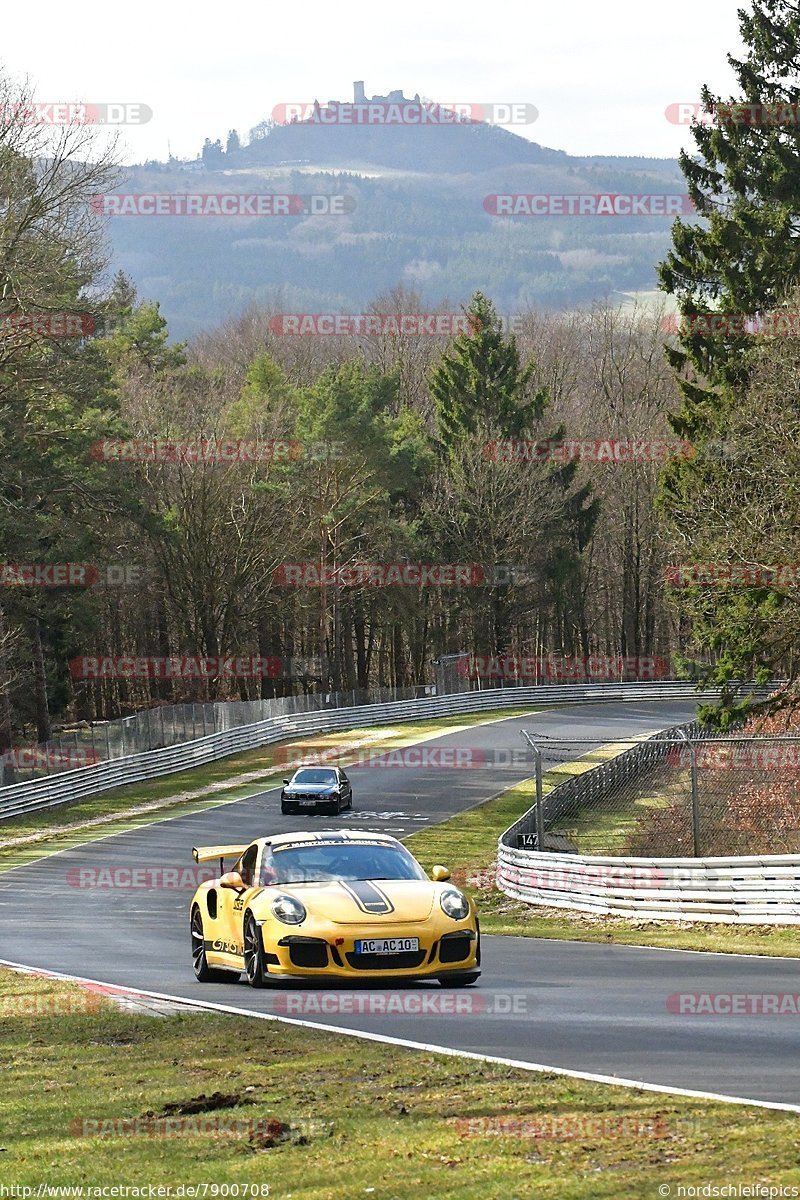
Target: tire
350, 803
459, 981
254, 966
203, 972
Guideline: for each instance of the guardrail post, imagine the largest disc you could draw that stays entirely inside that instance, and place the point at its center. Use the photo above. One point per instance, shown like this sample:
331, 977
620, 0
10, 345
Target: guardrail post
696, 830
537, 758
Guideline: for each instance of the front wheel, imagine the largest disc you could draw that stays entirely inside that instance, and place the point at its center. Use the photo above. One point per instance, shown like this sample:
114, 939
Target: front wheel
254, 966
202, 970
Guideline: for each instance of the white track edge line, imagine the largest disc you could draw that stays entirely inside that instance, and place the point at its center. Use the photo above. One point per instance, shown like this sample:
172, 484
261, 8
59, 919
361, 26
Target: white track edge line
427, 1047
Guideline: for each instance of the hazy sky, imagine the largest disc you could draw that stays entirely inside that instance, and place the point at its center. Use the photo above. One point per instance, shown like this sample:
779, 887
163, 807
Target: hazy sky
600, 72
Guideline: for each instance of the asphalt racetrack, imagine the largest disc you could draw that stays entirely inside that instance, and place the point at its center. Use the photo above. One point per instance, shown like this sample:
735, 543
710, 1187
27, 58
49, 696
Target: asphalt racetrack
579, 1006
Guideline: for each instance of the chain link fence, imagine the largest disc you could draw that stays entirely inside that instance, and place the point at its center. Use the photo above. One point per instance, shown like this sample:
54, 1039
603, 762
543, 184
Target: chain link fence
467, 672
172, 725
683, 793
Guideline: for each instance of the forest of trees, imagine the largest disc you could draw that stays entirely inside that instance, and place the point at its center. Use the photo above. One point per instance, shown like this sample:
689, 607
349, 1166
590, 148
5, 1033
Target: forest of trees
389, 462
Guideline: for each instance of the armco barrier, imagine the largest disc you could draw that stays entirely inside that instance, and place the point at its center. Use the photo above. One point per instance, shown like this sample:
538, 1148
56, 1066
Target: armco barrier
754, 891
99, 777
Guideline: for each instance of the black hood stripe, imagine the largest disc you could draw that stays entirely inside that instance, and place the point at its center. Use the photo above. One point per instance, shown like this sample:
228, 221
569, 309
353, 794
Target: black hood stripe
369, 898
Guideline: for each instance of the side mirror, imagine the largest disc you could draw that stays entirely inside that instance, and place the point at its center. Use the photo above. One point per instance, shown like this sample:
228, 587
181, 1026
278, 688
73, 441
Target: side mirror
439, 874
286, 781
232, 880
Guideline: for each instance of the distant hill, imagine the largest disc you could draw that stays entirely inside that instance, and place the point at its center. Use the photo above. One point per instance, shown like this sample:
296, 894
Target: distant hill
418, 218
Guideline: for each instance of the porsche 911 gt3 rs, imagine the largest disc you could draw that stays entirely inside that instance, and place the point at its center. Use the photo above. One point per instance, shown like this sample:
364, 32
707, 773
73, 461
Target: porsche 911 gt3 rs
332, 904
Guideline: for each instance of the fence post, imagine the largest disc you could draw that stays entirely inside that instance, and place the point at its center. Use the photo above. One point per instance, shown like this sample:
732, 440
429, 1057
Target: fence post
537, 757
696, 830
539, 802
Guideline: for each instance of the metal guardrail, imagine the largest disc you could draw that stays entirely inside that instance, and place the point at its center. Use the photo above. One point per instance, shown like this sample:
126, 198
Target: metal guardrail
761, 890
102, 776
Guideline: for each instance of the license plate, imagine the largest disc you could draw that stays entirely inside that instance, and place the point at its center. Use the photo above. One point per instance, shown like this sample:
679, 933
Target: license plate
308, 803
386, 945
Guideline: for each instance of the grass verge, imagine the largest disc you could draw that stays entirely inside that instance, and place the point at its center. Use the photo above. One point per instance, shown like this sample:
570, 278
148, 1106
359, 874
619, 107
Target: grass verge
103, 1097
467, 844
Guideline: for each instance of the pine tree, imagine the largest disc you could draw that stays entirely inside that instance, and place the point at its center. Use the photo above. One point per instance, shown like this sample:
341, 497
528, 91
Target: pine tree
483, 392
745, 184
743, 259
480, 383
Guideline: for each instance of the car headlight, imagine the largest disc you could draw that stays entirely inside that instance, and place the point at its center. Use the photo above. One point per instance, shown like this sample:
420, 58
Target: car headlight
288, 910
454, 904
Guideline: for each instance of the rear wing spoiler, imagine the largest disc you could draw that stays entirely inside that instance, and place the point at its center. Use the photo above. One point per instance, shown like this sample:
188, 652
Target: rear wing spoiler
207, 853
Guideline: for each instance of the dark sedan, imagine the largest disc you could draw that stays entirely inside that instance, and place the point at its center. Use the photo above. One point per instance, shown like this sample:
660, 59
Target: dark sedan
313, 788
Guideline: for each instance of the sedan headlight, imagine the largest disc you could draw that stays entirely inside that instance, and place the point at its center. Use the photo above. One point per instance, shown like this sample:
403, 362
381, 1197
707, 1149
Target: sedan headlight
454, 904
288, 910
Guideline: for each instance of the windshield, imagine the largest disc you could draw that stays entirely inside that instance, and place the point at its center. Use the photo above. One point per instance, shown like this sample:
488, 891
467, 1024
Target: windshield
315, 863
314, 775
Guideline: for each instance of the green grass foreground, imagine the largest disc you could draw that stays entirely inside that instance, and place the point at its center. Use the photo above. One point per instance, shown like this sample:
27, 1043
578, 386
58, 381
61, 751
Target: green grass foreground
212, 1099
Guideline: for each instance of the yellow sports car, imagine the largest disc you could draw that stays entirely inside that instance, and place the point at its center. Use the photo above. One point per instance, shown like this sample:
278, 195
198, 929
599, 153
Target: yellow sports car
338, 904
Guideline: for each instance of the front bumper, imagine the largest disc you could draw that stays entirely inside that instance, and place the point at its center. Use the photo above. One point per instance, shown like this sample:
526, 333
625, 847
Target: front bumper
299, 956
310, 803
